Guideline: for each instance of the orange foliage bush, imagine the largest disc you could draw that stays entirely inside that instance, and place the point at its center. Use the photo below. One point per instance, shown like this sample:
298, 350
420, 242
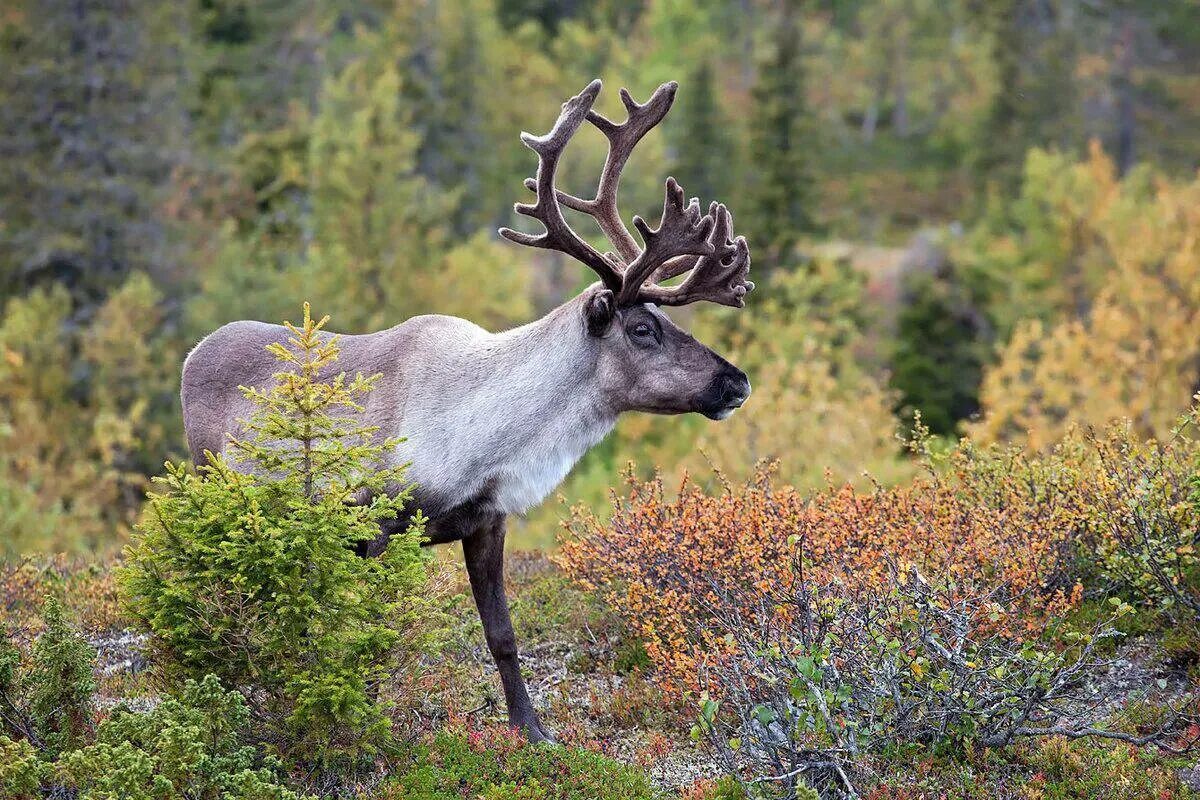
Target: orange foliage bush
986, 520
87, 588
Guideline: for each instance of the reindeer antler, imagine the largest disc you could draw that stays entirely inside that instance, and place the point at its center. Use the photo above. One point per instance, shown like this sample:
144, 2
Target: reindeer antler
684, 240
718, 278
558, 235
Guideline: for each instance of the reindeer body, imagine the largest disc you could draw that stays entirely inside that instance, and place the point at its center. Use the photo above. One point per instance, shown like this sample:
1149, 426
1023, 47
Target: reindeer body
497, 419
494, 421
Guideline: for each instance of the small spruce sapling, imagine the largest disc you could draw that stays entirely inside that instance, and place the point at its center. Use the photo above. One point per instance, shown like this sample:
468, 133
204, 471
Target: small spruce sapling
47, 702
60, 682
247, 568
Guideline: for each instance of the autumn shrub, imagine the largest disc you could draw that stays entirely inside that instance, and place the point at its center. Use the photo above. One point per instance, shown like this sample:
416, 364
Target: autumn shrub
248, 571
984, 521
1144, 498
87, 586
819, 629
820, 681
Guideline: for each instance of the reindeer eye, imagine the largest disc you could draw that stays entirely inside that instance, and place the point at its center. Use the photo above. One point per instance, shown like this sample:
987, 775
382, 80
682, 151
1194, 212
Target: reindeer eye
642, 329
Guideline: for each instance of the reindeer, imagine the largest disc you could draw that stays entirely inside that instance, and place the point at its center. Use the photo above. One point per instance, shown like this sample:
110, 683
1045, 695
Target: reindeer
494, 421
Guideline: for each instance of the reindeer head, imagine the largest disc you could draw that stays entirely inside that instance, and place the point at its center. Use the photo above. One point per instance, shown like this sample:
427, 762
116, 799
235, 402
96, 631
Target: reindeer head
645, 361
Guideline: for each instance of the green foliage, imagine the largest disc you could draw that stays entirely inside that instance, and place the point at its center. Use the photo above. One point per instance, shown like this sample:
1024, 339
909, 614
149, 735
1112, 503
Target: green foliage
189, 747
727, 789
88, 128
21, 772
941, 345
48, 700
701, 133
631, 657
498, 765
376, 217
186, 747
861, 673
253, 576
59, 684
1082, 770
1147, 515
1052, 769
782, 145
86, 408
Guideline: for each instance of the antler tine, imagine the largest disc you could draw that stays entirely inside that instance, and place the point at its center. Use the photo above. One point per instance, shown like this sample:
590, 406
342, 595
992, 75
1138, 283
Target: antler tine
682, 231
686, 263
622, 139
559, 235
719, 277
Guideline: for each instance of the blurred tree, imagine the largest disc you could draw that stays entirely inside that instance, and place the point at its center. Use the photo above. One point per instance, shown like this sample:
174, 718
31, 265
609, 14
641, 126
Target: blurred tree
887, 38
85, 413
617, 15
941, 344
90, 126
701, 142
547, 13
254, 61
356, 222
781, 190
377, 224
1131, 350
1034, 49
1041, 252
450, 68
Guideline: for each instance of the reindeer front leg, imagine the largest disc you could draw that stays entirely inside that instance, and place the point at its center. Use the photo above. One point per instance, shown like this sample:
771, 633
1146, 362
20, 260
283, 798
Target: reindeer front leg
484, 554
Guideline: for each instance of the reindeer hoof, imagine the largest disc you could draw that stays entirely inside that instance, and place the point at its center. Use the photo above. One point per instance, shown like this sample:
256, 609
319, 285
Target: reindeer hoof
534, 731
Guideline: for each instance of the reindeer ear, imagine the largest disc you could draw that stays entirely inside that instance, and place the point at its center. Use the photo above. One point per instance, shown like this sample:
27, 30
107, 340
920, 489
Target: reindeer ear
599, 311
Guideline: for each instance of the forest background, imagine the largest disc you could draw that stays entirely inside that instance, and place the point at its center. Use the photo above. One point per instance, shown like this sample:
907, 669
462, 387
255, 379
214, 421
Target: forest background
987, 211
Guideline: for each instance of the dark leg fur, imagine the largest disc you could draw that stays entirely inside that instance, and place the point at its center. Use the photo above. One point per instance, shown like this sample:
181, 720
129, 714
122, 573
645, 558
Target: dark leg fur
482, 533
484, 554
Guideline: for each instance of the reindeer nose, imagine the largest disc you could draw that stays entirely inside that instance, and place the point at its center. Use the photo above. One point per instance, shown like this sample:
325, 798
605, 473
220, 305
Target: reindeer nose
735, 387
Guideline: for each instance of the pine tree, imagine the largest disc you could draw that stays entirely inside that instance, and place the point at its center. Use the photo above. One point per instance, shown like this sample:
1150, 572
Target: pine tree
248, 570
781, 187
942, 343
380, 226
446, 86
702, 149
1034, 101
89, 127
60, 682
